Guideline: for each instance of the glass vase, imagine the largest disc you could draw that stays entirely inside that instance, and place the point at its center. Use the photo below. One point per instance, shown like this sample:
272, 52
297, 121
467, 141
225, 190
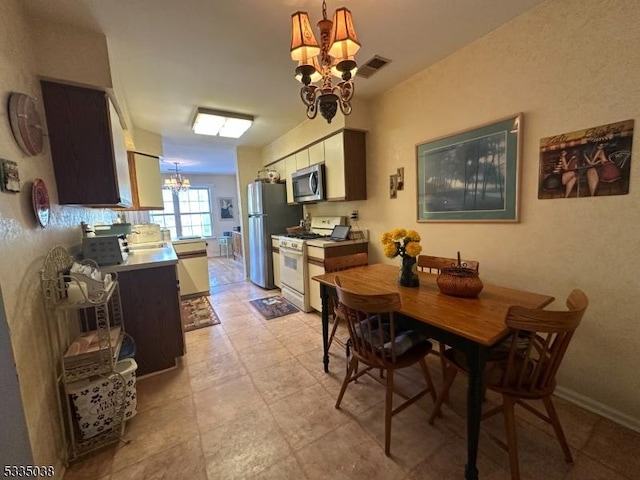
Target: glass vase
408, 276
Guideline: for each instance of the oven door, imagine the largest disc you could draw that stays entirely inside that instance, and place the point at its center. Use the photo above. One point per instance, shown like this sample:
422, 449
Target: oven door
292, 269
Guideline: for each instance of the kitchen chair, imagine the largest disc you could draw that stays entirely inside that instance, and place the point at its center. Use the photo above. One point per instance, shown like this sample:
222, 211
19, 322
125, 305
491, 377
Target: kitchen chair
523, 367
428, 263
224, 243
336, 264
379, 343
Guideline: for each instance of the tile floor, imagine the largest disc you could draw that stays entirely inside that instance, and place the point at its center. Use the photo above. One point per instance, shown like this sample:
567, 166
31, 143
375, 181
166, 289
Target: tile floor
250, 401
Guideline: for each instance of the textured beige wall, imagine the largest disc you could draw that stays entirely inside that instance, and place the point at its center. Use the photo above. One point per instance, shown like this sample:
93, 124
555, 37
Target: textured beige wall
24, 244
568, 65
68, 54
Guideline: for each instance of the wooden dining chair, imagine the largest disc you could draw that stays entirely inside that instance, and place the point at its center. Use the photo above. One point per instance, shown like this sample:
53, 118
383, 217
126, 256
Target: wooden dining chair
336, 264
379, 343
428, 263
523, 367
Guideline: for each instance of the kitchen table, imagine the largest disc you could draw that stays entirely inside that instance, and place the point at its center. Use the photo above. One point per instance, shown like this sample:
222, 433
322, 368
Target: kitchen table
471, 325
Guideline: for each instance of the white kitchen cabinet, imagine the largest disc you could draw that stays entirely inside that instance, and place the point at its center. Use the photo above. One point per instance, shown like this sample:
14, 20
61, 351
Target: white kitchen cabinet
316, 153
146, 182
302, 159
193, 267
280, 167
290, 167
345, 166
315, 266
314, 287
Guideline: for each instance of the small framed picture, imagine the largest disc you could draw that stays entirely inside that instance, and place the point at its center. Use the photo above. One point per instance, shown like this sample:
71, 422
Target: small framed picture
10, 176
225, 206
393, 186
400, 176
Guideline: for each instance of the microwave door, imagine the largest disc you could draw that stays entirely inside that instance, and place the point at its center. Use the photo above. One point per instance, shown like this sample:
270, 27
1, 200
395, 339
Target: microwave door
313, 183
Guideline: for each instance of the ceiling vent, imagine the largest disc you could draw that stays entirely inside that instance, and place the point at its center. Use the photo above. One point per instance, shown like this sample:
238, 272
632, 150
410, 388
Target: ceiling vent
372, 66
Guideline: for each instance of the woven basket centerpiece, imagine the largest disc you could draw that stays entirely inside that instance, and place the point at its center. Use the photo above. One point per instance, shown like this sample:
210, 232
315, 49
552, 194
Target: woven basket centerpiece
459, 281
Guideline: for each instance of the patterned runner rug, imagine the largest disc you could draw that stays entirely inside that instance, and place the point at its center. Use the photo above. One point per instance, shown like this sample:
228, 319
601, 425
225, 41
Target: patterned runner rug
198, 313
272, 307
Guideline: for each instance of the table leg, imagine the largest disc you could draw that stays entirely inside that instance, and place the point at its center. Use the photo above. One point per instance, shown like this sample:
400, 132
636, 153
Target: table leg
325, 326
476, 359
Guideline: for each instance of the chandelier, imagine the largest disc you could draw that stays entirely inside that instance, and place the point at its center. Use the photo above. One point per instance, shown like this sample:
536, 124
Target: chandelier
317, 63
177, 183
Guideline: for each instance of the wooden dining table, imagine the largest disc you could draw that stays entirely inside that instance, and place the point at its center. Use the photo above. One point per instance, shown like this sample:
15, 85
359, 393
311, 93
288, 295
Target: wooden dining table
470, 325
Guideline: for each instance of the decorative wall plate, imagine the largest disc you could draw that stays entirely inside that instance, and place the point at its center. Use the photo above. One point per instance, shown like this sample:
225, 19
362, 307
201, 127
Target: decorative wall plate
41, 205
25, 123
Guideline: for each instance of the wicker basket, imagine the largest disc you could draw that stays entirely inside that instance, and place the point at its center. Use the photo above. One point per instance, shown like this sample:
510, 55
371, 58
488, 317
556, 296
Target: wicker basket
459, 282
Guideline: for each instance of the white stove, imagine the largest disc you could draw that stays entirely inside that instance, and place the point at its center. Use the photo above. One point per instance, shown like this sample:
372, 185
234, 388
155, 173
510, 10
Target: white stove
293, 260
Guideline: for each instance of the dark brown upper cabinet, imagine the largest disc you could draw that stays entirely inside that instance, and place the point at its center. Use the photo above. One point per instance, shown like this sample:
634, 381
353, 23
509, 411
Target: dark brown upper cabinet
87, 146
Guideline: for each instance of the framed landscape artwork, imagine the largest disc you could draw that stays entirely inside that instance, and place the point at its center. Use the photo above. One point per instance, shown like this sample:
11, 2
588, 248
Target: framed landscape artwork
471, 176
586, 163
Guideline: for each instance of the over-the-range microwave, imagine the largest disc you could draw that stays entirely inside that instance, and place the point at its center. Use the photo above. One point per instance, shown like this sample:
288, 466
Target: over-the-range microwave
308, 184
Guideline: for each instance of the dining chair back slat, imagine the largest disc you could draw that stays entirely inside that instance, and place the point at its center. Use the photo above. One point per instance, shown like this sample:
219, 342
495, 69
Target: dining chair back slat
549, 333
337, 264
431, 264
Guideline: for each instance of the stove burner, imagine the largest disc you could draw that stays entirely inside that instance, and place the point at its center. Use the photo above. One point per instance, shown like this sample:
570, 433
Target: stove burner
306, 235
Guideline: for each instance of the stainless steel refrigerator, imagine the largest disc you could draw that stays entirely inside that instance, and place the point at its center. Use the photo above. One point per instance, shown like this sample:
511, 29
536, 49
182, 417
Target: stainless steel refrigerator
269, 215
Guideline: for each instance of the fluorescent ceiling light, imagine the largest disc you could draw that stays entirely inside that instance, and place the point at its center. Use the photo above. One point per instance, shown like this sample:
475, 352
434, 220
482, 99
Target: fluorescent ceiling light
224, 124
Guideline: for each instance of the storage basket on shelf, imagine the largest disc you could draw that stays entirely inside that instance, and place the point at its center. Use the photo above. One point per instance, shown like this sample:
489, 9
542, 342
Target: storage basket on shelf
93, 399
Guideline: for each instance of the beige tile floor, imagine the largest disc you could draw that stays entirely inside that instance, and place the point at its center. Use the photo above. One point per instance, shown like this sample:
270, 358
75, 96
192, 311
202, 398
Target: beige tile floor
250, 401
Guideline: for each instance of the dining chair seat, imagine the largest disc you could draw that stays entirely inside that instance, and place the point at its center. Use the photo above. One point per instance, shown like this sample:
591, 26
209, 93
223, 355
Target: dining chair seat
523, 367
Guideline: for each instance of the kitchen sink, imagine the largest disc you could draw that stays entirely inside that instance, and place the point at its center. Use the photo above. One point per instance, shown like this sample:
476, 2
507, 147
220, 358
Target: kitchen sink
150, 247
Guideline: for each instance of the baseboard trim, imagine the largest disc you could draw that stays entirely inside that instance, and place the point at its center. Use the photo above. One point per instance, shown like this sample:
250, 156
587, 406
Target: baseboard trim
599, 408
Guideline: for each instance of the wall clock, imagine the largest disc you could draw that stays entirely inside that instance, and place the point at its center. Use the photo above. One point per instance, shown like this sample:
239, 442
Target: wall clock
25, 123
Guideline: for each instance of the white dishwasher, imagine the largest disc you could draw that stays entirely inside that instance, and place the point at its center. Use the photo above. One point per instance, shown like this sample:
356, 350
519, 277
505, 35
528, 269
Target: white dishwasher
193, 267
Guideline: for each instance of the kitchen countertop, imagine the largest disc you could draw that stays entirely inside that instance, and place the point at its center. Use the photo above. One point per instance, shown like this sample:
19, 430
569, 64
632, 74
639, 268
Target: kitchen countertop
147, 258
326, 243
189, 240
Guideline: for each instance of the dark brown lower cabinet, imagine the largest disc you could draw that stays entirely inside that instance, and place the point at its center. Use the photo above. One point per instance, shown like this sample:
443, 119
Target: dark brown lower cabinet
151, 311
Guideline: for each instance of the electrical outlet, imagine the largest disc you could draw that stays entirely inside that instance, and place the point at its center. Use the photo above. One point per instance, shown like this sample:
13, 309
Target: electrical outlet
354, 215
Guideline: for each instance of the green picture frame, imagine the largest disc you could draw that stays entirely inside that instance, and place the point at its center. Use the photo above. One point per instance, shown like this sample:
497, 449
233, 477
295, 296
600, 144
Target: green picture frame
471, 176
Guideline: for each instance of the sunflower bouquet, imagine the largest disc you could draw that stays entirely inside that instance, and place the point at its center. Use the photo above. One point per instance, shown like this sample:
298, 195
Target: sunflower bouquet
399, 241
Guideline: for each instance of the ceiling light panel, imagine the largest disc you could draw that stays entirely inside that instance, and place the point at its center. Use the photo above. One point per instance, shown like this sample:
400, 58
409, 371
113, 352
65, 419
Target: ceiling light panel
224, 124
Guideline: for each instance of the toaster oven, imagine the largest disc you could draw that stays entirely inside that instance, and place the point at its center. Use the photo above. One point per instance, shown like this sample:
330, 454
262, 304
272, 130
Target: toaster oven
106, 250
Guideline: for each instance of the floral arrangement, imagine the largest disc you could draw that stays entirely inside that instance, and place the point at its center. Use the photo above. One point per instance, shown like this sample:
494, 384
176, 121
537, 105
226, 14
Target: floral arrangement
399, 241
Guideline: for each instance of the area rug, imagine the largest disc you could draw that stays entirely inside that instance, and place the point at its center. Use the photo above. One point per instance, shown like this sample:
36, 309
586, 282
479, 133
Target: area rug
198, 313
272, 307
